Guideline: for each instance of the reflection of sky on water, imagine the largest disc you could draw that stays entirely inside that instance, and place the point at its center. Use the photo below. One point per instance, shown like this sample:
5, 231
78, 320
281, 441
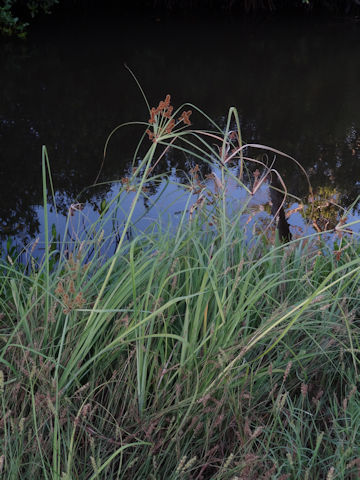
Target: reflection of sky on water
163, 211
294, 82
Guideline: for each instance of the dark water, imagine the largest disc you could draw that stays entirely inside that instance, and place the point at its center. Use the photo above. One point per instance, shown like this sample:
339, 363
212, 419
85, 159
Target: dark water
295, 83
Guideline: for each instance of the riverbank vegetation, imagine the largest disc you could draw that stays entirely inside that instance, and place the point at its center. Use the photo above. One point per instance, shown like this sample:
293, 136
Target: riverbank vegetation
198, 349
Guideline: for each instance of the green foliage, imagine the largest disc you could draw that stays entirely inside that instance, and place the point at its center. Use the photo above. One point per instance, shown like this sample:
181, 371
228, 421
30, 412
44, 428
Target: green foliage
15, 24
10, 24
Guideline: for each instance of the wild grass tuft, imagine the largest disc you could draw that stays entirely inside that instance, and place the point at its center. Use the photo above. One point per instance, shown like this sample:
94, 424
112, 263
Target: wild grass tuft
190, 352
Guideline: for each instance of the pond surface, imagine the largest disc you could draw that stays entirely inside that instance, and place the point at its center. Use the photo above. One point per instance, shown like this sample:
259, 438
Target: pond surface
295, 83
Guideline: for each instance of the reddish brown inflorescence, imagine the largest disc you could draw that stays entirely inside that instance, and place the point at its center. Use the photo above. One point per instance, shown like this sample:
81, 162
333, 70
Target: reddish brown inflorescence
185, 117
164, 111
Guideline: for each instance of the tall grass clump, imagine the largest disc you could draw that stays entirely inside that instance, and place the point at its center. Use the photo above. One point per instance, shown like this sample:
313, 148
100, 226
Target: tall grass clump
196, 351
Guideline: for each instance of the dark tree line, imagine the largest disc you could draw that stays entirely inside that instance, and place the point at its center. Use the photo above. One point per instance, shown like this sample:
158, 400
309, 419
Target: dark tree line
17, 15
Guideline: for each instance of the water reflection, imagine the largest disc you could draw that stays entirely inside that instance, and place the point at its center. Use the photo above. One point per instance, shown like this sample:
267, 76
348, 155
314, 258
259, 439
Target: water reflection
295, 84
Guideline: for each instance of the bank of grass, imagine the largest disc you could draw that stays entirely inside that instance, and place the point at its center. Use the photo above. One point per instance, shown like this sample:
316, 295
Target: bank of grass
195, 352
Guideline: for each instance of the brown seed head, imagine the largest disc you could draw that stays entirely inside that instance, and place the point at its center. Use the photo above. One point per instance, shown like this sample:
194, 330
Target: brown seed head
287, 371
304, 390
170, 126
167, 100
185, 117
152, 116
